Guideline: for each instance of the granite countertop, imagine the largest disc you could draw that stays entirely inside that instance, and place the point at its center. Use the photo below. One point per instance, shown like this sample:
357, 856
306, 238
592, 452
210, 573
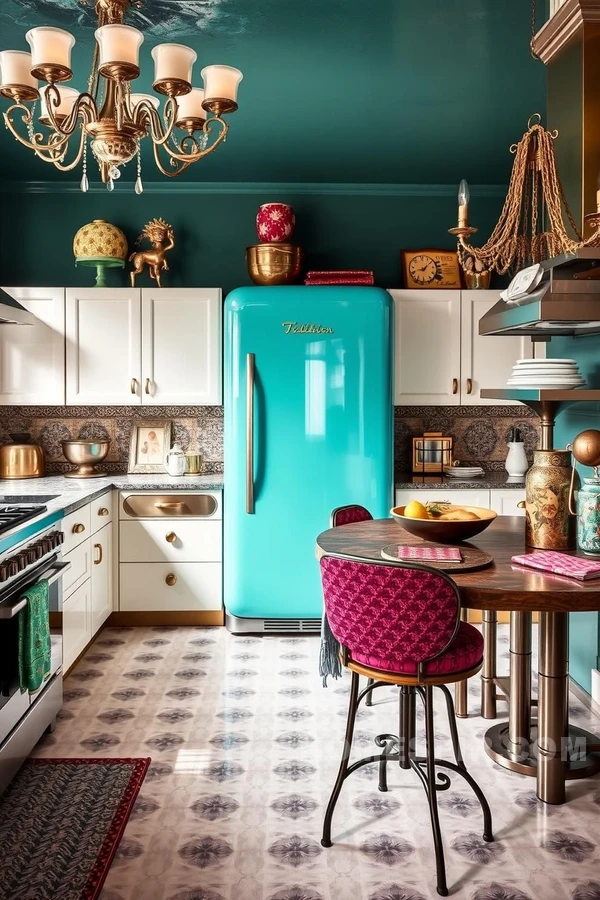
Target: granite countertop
487, 481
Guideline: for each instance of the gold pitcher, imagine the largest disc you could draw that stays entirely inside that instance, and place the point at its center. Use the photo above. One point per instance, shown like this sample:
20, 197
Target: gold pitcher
549, 525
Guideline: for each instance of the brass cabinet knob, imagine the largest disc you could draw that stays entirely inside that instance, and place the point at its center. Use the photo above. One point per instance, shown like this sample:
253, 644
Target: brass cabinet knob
79, 528
103, 511
98, 547
171, 579
469, 385
134, 384
521, 504
171, 537
147, 387
455, 385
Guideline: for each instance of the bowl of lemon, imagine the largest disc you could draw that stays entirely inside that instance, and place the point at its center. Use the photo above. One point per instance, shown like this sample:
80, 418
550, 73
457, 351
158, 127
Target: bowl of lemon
443, 522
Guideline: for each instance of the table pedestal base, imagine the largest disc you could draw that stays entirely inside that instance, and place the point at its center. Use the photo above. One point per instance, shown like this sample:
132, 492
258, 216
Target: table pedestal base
585, 752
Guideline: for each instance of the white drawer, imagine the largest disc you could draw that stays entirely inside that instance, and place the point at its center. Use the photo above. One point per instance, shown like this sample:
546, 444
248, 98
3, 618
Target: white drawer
170, 505
81, 567
460, 498
76, 527
101, 511
505, 502
143, 587
76, 624
190, 540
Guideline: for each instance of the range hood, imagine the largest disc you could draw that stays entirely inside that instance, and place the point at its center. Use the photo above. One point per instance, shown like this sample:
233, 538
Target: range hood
562, 299
11, 311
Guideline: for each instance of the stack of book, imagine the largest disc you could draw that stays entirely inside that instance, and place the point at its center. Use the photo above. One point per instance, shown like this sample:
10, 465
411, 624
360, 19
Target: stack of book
340, 276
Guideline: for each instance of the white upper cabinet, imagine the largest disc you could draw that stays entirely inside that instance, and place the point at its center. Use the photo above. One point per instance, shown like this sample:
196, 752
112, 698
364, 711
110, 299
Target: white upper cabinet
427, 348
181, 346
487, 361
103, 346
32, 357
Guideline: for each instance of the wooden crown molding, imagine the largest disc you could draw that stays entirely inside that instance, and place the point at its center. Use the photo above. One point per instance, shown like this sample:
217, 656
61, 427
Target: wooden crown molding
568, 21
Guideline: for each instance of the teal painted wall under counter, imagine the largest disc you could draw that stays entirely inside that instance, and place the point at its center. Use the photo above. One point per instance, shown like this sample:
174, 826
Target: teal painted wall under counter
584, 654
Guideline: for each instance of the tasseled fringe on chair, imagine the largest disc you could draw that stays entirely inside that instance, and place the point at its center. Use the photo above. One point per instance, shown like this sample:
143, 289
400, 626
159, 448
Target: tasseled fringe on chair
329, 657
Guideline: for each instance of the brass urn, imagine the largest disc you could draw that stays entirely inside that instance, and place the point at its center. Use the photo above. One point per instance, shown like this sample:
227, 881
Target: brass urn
549, 525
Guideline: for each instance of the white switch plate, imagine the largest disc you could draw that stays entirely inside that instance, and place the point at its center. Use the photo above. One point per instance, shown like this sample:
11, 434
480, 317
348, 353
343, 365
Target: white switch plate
596, 686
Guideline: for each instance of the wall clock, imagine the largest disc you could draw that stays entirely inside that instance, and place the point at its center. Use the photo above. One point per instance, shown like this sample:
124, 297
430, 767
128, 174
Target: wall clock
430, 269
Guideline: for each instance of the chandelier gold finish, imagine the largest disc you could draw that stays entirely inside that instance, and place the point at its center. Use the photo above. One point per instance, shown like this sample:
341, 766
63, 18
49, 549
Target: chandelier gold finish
109, 116
535, 199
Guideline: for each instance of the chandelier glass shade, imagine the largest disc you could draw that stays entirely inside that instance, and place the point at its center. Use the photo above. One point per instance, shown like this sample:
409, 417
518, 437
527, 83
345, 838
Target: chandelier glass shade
109, 117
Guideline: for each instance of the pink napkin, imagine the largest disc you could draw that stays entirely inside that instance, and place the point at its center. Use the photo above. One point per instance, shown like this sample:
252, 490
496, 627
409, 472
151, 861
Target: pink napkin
430, 553
560, 564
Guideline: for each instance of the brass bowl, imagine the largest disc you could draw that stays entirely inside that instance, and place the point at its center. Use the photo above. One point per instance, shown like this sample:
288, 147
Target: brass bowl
442, 531
85, 454
272, 263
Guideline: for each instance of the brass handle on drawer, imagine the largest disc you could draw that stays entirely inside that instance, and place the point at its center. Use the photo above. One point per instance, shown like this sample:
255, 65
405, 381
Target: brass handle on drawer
171, 537
103, 511
521, 504
79, 528
455, 385
469, 385
173, 504
147, 386
171, 579
134, 384
98, 547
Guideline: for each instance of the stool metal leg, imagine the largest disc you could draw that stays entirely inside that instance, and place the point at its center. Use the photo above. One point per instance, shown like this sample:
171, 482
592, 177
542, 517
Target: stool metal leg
369, 700
407, 727
442, 887
461, 690
343, 770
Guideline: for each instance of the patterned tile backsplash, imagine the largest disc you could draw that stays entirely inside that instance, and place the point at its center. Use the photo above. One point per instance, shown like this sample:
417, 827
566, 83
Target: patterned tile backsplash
480, 432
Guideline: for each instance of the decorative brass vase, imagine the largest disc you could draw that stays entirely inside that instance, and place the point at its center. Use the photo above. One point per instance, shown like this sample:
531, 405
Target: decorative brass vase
549, 525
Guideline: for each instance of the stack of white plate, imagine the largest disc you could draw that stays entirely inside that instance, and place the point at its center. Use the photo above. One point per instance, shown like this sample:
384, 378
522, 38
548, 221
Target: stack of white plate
463, 471
546, 374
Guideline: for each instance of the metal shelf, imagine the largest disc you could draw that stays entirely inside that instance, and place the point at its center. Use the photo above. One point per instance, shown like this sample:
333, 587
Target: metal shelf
546, 403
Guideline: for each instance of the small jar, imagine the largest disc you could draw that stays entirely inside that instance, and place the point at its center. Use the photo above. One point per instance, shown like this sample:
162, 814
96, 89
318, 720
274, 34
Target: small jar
176, 464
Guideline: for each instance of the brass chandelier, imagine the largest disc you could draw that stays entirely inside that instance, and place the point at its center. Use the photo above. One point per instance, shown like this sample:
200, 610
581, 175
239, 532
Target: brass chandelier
109, 116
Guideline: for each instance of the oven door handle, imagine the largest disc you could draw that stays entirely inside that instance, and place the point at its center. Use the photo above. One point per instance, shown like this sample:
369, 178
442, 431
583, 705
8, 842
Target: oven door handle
9, 612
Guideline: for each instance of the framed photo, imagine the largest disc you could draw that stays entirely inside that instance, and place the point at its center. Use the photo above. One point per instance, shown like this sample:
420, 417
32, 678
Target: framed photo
150, 443
431, 269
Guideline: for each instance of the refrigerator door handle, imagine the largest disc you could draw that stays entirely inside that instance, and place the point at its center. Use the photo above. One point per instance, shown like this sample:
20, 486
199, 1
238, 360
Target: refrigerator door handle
250, 433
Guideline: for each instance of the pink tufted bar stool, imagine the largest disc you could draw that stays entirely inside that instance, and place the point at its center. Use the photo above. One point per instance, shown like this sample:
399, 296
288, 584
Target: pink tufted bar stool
399, 623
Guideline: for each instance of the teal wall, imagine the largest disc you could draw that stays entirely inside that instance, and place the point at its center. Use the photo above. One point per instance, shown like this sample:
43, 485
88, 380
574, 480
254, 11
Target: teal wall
585, 627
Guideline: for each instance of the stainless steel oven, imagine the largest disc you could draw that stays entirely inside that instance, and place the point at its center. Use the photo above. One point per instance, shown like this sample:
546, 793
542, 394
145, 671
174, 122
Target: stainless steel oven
25, 716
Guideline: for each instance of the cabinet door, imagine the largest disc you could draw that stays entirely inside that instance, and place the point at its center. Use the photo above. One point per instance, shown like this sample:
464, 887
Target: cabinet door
76, 624
487, 360
102, 577
181, 346
426, 348
103, 346
474, 497
32, 357
505, 503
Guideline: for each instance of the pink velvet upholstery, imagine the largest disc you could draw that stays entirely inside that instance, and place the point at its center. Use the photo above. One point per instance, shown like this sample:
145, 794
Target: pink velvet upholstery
347, 515
395, 617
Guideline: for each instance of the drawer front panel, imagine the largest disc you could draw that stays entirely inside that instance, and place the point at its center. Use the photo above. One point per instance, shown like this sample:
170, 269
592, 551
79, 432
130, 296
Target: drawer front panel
505, 502
144, 588
76, 528
457, 497
145, 505
101, 511
81, 566
175, 540
76, 624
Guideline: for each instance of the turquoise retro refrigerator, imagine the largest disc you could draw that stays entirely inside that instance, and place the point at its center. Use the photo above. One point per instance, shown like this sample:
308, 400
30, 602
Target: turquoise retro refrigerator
308, 427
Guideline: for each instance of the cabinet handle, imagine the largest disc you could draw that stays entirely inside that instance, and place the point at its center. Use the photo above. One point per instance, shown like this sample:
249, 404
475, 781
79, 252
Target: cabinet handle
173, 504
521, 504
134, 384
171, 579
455, 385
147, 386
79, 528
171, 537
103, 511
98, 547
469, 385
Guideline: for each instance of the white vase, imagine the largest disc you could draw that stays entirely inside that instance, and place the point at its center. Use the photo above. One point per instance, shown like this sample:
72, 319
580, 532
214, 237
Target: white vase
176, 464
516, 460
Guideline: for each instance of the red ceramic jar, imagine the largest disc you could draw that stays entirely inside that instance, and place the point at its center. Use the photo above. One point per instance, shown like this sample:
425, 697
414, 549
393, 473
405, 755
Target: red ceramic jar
275, 222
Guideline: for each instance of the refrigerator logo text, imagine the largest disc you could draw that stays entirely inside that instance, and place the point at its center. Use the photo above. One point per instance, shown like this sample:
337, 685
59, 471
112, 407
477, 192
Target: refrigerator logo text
304, 328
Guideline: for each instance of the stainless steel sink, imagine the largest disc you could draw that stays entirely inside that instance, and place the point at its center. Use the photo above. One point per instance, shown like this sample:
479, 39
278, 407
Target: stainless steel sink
27, 498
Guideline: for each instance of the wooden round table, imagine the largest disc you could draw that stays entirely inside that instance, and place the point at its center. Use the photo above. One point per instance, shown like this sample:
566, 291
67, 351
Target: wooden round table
554, 751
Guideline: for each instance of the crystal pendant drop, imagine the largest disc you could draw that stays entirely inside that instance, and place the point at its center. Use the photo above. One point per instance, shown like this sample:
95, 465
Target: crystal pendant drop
139, 187
84, 183
110, 185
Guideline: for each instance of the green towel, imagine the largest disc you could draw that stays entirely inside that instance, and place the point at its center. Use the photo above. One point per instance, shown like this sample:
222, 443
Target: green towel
34, 638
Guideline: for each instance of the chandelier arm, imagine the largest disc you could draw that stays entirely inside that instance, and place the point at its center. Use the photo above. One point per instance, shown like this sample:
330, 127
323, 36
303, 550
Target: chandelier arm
84, 108
193, 156
146, 115
76, 160
176, 169
36, 144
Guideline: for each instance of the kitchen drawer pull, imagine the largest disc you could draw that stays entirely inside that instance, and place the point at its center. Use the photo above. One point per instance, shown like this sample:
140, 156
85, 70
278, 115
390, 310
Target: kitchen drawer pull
171, 537
455, 385
79, 528
134, 384
98, 547
172, 504
171, 579
147, 386
469, 385
521, 504
103, 511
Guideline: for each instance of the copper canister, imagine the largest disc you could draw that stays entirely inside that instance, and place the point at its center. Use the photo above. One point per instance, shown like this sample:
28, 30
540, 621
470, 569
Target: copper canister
549, 525
21, 460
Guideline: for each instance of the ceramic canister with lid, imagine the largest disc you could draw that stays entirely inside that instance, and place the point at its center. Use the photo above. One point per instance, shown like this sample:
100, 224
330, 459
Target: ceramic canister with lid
549, 524
588, 517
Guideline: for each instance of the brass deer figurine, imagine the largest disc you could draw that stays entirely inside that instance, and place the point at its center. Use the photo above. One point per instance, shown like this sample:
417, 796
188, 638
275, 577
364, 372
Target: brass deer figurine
160, 235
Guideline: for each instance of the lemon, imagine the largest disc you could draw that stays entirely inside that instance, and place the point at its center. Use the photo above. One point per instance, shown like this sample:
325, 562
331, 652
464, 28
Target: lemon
415, 510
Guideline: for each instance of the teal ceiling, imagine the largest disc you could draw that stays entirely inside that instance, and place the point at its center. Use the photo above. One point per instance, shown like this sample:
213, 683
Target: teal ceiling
386, 91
